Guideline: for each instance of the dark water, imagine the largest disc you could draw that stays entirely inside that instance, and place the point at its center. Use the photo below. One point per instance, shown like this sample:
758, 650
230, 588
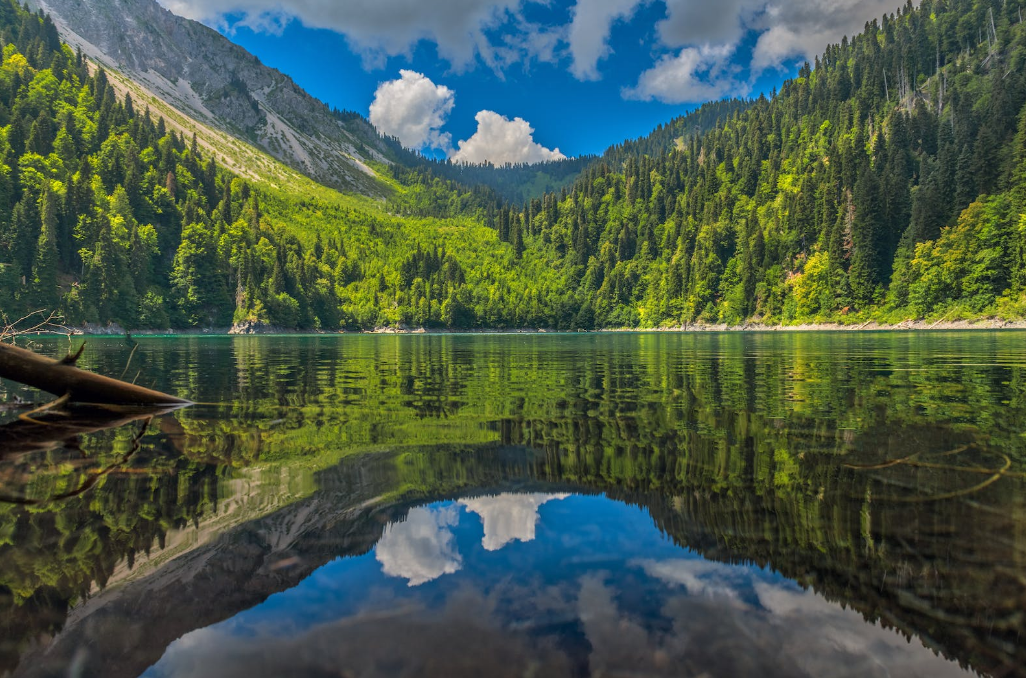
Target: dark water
650, 505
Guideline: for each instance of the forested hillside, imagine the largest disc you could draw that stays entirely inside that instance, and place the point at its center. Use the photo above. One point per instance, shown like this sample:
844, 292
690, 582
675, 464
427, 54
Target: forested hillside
887, 181
103, 213
889, 177
521, 183
189, 67
109, 217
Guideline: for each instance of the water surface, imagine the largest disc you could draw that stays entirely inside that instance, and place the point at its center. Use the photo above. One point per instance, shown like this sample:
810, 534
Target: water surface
594, 505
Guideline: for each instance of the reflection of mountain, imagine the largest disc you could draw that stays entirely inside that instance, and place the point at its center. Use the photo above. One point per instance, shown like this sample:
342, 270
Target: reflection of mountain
873, 562
736, 445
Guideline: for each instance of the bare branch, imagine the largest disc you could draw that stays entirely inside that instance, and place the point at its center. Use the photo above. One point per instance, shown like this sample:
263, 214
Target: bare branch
33, 324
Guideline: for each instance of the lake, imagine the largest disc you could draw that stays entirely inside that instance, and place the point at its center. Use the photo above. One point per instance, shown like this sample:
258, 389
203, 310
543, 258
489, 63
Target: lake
778, 504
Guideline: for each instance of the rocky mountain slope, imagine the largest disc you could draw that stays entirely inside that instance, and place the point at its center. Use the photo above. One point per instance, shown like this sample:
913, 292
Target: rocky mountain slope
207, 78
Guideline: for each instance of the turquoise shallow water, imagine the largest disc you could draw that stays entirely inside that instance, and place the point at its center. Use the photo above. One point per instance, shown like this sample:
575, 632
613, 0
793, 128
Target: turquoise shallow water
713, 504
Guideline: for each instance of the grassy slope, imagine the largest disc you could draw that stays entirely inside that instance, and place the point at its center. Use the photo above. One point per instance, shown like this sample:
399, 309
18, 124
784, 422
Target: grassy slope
371, 236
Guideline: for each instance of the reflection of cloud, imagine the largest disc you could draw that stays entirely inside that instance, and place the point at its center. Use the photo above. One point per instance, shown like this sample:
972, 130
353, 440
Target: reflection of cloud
788, 632
422, 548
866, 647
508, 517
620, 645
509, 628
697, 576
462, 638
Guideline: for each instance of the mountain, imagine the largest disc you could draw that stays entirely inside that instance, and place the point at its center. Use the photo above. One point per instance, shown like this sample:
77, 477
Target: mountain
218, 84
112, 212
885, 182
521, 183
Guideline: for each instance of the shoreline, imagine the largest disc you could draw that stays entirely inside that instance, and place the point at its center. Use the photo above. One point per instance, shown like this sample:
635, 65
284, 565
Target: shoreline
984, 324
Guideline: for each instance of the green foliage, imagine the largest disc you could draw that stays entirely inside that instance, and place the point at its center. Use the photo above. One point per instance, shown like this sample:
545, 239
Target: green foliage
969, 264
837, 198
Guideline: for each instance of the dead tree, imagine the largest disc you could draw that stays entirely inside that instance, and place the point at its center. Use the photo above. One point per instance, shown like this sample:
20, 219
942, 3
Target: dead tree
64, 379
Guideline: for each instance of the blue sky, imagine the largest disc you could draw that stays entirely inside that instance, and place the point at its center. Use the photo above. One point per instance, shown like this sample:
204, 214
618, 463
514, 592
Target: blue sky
515, 80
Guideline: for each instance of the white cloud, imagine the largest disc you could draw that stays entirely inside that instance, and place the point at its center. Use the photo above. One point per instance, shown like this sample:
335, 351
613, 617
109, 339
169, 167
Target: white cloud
414, 109
802, 29
708, 35
499, 140
508, 517
422, 548
376, 28
690, 23
497, 33
695, 75
791, 29
589, 33
699, 577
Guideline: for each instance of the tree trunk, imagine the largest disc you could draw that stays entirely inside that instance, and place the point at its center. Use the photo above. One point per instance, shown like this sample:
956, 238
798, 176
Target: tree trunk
62, 378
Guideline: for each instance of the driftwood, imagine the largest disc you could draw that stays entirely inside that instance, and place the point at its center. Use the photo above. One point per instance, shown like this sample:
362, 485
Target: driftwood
63, 379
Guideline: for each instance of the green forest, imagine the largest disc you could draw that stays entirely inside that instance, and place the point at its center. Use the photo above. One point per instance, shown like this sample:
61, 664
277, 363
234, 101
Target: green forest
886, 181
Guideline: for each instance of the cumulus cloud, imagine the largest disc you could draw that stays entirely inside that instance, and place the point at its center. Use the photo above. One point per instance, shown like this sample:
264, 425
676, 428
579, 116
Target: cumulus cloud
414, 109
422, 548
589, 31
689, 22
499, 140
377, 28
708, 36
509, 517
695, 75
790, 30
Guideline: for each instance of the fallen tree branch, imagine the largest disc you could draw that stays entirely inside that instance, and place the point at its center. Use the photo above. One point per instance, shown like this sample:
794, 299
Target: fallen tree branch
62, 379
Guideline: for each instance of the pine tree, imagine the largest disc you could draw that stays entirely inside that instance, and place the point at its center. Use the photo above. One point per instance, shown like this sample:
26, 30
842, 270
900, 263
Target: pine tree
1018, 178
44, 271
866, 269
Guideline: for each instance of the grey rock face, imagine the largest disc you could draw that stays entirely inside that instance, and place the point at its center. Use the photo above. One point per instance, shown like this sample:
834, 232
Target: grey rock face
206, 76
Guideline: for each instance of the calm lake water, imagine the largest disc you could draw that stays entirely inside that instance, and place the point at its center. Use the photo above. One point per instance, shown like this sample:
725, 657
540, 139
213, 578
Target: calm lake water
526, 505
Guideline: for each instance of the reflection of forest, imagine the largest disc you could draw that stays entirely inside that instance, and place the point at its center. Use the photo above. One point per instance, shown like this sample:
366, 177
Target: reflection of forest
774, 454
926, 570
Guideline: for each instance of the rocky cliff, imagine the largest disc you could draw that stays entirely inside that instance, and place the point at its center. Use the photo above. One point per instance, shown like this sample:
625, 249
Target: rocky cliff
206, 77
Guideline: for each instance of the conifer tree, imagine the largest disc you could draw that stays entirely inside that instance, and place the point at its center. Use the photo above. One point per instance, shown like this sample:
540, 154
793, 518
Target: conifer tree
44, 271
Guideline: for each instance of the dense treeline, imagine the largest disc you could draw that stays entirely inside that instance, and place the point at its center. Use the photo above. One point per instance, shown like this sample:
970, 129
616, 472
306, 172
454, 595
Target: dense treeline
677, 131
111, 216
515, 183
890, 176
442, 188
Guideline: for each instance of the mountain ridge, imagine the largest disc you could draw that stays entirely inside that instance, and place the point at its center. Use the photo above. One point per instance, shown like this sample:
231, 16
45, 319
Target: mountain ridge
206, 77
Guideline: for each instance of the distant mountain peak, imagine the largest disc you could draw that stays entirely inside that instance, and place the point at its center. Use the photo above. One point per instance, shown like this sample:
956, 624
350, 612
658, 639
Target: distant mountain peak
205, 76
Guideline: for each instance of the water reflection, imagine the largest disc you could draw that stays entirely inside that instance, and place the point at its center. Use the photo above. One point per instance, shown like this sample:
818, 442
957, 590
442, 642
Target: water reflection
586, 610
802, 503
421, 548
508, 517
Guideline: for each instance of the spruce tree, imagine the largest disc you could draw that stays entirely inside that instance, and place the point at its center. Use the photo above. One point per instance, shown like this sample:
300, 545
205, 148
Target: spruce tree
865, 272
44, 271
